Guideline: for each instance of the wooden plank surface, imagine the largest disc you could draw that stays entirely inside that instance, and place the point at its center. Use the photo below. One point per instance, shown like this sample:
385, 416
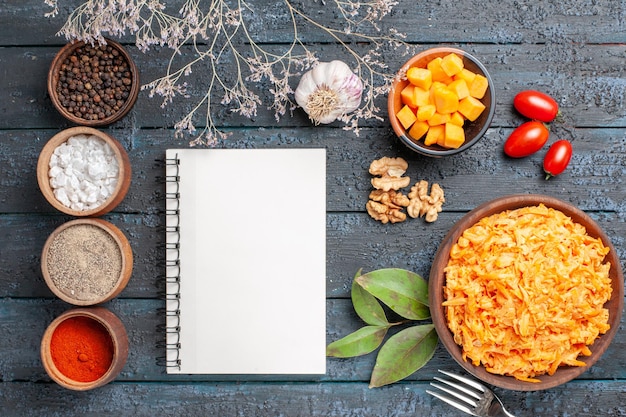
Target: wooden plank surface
574, 50
490, 21
578, 398
24, 321
587, 80
592, 182
354, 241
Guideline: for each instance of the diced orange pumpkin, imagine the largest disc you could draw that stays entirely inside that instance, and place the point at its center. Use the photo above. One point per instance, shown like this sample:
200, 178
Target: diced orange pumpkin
421, 96
466, 75
437, 84
438, 74
457, 119
418, 129
426, 112
433, 134
478, 87
441, 140
471, 108
407, 95
420, 77
454, 136
460, 88
446, 100
439, 99
406, 117
452, 64
439, 119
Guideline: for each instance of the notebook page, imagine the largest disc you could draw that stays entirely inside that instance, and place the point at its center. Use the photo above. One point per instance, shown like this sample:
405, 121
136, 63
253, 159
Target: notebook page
252, 261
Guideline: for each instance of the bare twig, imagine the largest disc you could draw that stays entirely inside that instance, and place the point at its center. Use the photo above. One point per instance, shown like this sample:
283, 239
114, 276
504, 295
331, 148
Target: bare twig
214, 29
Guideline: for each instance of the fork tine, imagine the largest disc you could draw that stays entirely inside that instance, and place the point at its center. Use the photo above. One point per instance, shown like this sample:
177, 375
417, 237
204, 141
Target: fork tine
451, 402
468, 396
461, 388
467, 381
455, 394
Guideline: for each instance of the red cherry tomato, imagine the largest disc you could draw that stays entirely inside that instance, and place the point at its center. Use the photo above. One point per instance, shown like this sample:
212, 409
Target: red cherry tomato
557, 158
536, 105
526, 139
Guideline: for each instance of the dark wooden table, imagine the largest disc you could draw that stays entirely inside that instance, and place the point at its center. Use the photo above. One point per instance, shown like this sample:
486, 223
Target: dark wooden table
574, 50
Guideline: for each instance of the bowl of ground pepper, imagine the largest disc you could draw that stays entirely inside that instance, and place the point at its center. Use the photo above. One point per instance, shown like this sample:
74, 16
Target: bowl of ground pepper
93, 85
87, 261
84, 348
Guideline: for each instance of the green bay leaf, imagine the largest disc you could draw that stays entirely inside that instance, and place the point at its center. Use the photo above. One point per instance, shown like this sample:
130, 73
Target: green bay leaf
403, 354
403, 291
360, 342
366, 305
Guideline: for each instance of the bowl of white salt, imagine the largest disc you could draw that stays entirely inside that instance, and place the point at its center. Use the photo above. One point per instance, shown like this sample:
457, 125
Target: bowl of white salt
83, 172
87, 261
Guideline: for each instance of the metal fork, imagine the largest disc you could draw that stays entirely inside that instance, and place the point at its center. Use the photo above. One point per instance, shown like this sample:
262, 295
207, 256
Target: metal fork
468, 396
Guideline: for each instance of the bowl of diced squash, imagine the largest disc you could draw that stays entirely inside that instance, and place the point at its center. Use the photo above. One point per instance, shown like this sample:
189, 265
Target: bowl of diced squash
442, 102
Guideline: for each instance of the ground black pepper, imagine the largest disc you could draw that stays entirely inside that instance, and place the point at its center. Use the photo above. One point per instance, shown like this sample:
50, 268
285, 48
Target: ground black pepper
84, 262
94, 82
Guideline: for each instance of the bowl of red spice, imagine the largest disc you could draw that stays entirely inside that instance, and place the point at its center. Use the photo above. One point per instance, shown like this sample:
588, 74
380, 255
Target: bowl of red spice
93, 85
83, 172
84, 348
87, 261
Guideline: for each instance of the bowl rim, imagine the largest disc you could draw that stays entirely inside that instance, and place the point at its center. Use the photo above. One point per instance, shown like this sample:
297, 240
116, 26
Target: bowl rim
117, 332
123, 183
441, 152
437, 280
53, 75
123, 245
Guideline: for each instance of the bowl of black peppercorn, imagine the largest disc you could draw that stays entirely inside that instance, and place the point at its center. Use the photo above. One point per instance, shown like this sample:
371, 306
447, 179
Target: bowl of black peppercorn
93, 84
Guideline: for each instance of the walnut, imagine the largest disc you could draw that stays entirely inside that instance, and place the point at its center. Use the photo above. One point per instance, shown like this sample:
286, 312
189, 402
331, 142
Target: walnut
389, 173
386, 203
390, 197
386, 206
383, 213
387, 183
423, 204
394, 167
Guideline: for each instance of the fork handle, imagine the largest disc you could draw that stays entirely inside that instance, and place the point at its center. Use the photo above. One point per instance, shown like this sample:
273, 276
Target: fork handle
496, 410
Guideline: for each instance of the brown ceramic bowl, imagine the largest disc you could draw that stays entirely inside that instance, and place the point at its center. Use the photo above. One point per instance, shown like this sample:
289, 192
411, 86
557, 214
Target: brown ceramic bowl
106, 323
110, 105
437, 281
474, 131
123, 180
87, 261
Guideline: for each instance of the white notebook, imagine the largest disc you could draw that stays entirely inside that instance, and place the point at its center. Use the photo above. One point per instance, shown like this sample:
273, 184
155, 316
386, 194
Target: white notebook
246, 261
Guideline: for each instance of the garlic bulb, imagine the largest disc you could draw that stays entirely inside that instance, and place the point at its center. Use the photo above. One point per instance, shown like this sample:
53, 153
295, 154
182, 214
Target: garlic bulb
329, 91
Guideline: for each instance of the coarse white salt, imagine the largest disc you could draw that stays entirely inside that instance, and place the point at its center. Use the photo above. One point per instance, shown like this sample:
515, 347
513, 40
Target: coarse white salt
83, 172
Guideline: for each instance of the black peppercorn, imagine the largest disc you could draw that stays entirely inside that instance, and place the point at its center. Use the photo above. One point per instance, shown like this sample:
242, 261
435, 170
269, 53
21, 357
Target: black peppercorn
94, 82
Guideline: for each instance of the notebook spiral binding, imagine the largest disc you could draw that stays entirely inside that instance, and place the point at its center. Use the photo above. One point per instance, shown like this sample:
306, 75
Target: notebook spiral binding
172, 265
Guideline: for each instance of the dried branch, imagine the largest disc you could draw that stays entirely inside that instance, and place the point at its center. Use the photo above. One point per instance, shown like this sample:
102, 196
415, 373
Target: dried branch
217, 31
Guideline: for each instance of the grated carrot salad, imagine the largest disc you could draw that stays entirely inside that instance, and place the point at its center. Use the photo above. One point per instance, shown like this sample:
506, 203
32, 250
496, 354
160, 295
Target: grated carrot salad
525, 292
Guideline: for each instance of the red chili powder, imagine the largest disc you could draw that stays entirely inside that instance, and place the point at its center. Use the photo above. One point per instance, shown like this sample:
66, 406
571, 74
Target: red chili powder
81, 349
